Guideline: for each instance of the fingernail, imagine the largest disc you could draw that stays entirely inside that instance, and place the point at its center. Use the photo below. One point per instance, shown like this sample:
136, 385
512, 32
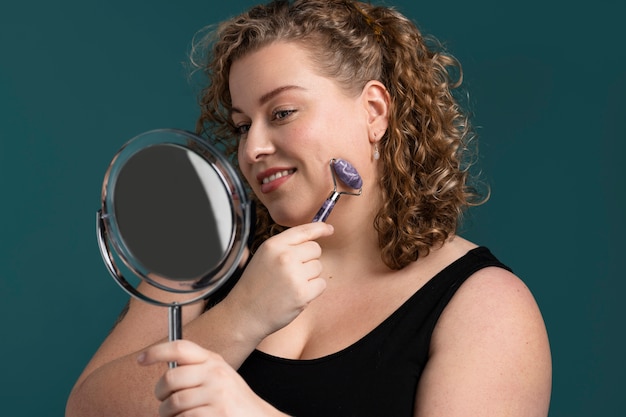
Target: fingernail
142, 357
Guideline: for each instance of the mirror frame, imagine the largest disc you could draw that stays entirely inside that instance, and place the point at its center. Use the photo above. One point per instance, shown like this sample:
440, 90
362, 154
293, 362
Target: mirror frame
111, 238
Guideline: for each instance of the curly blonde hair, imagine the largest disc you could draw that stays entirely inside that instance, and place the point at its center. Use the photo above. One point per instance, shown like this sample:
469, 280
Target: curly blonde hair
424, 152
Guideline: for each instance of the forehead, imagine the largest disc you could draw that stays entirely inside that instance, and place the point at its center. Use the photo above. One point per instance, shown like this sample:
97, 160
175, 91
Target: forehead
271, 67
267, 60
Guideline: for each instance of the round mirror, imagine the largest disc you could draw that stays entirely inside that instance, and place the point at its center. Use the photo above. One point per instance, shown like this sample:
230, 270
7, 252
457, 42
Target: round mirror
176, 214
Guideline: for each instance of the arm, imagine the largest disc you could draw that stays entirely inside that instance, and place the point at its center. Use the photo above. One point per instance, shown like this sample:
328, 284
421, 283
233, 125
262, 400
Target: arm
489, 353
278, 283
113, 383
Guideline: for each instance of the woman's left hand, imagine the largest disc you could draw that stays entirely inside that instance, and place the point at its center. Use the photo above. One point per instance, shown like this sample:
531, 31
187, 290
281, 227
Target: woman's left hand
202, 384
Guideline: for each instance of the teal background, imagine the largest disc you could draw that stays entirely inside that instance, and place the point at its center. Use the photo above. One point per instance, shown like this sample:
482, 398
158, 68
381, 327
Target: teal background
547, 83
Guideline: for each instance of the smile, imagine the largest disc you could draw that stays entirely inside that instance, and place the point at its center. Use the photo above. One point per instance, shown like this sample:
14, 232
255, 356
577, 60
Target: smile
277, 175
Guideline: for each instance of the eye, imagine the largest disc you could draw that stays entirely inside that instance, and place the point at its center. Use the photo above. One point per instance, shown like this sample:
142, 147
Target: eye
242, 129
279, 115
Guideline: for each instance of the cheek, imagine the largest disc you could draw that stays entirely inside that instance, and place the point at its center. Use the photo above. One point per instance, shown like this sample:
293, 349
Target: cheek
244, 168
350, 122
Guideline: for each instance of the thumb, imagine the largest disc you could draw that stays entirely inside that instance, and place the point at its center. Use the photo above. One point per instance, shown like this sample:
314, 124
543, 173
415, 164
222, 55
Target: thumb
183, 352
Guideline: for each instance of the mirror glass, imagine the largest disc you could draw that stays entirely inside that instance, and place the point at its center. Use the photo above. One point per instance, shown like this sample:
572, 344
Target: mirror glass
175, 213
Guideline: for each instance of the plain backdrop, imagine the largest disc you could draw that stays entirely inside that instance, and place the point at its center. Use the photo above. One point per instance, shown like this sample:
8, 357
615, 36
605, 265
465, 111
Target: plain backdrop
547, 82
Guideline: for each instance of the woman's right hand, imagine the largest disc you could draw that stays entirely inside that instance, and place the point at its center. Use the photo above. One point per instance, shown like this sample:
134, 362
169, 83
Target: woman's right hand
281, 279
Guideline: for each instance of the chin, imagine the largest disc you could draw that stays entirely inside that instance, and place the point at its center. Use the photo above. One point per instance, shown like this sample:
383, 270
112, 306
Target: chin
290, 219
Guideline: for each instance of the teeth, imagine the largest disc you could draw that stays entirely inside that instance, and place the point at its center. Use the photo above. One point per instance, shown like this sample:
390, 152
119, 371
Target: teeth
277, 175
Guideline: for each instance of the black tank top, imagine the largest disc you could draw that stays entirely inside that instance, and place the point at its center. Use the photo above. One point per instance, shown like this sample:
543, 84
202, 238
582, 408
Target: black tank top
377, 375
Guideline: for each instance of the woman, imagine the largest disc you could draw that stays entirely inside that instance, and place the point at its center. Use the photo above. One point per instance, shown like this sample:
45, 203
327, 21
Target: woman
383, 309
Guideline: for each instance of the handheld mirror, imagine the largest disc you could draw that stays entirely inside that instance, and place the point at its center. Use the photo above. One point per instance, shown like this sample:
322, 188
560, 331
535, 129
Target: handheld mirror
176, 214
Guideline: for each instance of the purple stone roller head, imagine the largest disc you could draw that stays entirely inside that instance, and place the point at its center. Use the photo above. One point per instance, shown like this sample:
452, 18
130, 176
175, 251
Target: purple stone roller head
347, 174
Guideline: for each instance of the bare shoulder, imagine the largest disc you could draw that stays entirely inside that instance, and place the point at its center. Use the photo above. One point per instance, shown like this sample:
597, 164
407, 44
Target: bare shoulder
490, 354
491, 290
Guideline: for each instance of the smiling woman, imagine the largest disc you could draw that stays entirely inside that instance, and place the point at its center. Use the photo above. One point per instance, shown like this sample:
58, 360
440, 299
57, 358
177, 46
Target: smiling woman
318, 122
381, 310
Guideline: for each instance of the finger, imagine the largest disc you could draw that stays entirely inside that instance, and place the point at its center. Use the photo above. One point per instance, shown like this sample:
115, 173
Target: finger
307, 232
183, 352
307, 251
316, 287
181, 378
191, 402
311, 269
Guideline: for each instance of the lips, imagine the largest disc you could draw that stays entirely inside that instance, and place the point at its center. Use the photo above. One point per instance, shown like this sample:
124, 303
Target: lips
277, 175
273, 178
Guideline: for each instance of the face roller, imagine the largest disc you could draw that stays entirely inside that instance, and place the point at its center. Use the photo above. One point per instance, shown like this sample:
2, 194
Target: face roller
349, 176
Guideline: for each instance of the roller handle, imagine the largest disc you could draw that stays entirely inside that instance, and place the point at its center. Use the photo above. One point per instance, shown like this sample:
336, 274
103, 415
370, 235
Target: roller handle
326, 208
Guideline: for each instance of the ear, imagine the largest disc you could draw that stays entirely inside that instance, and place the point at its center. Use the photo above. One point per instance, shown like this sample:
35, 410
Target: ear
376, 102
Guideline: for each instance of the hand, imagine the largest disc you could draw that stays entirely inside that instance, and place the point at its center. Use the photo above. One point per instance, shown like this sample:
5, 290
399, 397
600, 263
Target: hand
282, 278
202, 384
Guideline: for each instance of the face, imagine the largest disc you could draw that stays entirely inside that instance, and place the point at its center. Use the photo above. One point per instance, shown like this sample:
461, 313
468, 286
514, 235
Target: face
291, 122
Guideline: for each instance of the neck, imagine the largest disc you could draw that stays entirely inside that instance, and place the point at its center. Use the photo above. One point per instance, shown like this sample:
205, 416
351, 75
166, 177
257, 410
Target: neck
354, 244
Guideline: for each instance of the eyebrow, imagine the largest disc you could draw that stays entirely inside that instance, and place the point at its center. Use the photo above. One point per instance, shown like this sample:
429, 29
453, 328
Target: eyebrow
268, 96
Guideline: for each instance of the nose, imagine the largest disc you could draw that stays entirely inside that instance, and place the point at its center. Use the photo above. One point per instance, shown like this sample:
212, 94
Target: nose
257, 144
